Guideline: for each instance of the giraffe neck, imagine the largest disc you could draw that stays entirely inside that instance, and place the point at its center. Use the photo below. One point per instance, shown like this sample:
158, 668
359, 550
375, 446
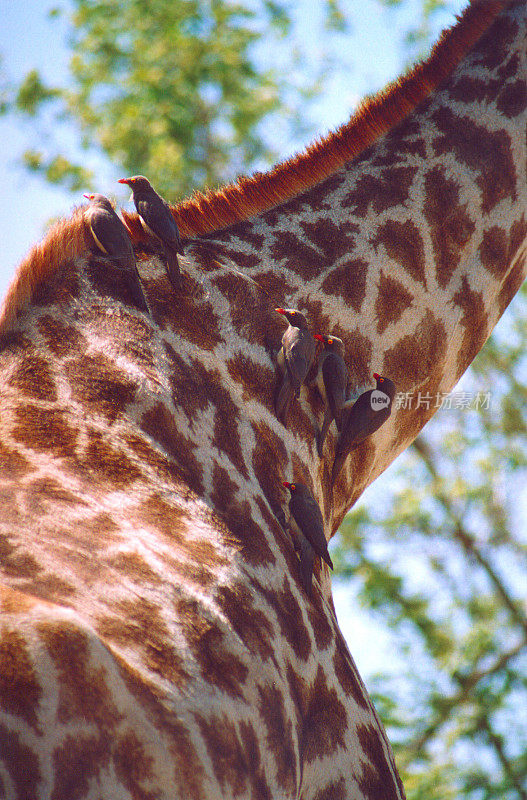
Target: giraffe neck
146, 454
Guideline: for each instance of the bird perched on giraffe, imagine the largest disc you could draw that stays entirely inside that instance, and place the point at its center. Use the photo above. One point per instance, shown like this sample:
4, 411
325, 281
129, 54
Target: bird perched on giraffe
294, 360
110, 236
332, 382
158, 221
307, 526
364, 417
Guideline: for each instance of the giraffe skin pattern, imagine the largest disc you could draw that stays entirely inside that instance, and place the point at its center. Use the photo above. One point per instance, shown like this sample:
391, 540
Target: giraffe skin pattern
155, 639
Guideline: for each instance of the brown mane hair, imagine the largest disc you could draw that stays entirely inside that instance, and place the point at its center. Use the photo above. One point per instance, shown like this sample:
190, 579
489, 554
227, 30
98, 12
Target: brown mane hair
206, 213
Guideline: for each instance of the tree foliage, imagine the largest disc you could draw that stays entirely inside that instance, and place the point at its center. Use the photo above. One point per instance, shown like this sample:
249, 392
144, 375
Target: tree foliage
170, 89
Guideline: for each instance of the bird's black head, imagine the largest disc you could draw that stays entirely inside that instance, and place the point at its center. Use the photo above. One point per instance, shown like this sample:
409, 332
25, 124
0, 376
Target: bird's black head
330, 343
136, 182
293, 316
385, 385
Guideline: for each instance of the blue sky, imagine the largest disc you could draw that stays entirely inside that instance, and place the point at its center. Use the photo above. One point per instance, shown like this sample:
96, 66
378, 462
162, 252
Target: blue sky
28, 39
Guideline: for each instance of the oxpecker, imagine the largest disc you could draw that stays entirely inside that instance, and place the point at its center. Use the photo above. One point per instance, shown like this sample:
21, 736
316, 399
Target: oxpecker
294, 359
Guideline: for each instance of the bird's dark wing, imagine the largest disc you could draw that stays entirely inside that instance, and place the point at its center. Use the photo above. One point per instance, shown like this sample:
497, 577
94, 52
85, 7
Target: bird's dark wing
110, 234
299, 351
158, 216
335, 376
308, 517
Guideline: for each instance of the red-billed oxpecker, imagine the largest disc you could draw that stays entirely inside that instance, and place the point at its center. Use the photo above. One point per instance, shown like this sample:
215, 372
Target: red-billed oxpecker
294, 359
307, 527
111, 237
366, 415
332, 382
157, 220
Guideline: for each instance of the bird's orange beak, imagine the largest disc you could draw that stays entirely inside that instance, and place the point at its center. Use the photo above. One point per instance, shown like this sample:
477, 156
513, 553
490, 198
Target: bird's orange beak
128, 181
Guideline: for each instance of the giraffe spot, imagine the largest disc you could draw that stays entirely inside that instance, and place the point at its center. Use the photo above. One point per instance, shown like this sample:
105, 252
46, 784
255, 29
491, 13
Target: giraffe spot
509, 69
20, 692
189, 383
15, 562
96, 383
294, 254
250, 537
498, 248
256, 776
83, 690
475, 324
133, 566
349, 282
133, 766
249, 623
486, 152
14, 343
470, 90
257, 381
33, 379
269, 457
50, 587
20, 764
193, 317
225, 752
324, 720
450, 226
14, 602
139, 625
149, 457
61, 339
279, 735
418, 355
44, 429
275, 285
387, 189
160, 425
242, 259
45, 494
224, 490
290, 618
379, 779
512, 100
189, 770
403, 243
12, 463
347, 675
209, 645
322, 630
106, 464
318, 197
336, 790
358, 355
335, 241
493, 251
392, 300
494, 47
226, 437
244, 232
77, 764
248, 307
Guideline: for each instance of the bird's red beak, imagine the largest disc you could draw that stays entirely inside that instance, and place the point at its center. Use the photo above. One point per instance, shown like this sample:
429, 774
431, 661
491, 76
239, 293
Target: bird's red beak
319, 337
286, 484
377, 376
280, 310
88, 196
128, 181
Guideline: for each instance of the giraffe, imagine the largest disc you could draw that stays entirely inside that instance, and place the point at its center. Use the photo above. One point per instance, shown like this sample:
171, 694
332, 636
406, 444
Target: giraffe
155, 639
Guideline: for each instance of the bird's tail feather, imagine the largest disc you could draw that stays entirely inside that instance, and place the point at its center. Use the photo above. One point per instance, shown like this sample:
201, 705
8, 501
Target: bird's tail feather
173, 267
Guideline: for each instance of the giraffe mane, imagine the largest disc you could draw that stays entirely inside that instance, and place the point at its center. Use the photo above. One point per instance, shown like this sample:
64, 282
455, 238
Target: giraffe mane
204, 213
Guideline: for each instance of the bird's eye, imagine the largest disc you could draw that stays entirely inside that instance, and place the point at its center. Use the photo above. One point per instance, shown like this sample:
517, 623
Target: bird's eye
330, 341
293, 487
